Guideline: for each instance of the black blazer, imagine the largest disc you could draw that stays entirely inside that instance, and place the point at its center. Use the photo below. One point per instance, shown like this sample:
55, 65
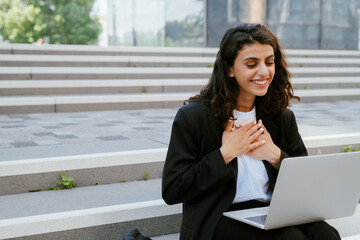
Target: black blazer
195, 172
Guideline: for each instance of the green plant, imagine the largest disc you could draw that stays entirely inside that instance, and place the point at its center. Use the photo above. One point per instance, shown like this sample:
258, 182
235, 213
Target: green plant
146, 175
209, 65
144, 90
64, 22
65, 183
347, 148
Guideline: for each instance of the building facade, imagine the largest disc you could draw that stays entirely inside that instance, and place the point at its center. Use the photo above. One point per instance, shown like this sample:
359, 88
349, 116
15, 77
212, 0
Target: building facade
315, 24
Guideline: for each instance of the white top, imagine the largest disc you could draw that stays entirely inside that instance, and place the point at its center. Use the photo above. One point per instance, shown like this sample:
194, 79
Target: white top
252, 179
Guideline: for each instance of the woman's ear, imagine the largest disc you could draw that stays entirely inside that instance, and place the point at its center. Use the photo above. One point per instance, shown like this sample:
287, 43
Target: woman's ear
231, 74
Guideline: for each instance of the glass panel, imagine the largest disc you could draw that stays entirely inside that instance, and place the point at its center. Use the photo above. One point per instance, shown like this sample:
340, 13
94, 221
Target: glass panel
184, 23
136, 22
149, 22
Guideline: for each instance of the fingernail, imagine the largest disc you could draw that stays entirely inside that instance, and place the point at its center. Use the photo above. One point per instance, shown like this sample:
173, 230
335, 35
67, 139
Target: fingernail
261, 129
254, 122
263, 141
260, 123
237, 125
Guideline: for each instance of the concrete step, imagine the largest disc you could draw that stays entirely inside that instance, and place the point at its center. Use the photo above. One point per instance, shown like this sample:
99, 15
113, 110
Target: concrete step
47, 73
328, 95
55, 49
37, 174
325, 82
18, 60
103, 86
96, 212
12, 60
115, 86
324, 62
104, 212
321, 53
73, 103
177, 237
40, 73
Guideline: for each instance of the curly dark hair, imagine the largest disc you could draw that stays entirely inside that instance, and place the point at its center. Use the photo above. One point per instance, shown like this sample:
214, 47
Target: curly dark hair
221, 92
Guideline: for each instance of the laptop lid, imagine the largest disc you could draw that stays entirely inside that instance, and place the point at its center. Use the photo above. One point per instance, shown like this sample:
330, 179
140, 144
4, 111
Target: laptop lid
315, 188
310, 189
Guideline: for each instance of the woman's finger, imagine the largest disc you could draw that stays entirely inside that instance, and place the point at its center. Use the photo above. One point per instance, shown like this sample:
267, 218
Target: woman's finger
255, 135
255, 145
229, 125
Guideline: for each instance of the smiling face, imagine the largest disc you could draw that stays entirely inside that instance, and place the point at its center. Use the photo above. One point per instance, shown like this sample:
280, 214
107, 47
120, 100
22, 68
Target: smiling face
253, 69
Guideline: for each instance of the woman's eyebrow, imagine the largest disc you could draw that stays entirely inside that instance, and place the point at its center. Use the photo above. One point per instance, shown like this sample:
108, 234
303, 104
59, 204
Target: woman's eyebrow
256, 59
250, 58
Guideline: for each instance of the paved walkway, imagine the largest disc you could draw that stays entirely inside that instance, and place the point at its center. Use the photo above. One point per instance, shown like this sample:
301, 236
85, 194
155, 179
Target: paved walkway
58, 134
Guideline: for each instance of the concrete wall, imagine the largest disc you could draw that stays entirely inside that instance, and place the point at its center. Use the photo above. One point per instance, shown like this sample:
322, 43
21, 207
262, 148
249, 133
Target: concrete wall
327, 24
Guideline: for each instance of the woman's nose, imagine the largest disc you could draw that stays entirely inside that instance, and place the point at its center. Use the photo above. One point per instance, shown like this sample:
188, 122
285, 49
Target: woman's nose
263, 70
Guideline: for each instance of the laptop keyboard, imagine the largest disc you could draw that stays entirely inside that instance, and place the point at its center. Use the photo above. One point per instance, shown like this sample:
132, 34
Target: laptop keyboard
258, 219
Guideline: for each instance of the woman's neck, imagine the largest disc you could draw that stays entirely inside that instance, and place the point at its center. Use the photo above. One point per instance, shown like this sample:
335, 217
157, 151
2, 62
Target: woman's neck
241, 108
245, 105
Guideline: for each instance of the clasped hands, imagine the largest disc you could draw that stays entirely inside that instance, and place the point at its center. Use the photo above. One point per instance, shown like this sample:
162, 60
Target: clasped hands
252, 139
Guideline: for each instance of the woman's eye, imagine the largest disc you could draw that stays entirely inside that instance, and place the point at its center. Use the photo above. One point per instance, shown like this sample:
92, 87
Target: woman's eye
251, 65
270, 63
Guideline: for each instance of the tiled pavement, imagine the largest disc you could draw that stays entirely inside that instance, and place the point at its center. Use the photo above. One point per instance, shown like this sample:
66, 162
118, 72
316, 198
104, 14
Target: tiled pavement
53, 134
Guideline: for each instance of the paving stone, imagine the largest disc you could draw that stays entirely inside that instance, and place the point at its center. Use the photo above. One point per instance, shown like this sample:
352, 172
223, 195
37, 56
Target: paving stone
46, 142
154, 126
24, 144
41, 134
141, 128
65, 136
14, 126
112, 138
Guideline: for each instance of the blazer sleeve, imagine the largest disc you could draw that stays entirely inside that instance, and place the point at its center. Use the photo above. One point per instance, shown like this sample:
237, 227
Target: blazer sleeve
186, 174
294, 145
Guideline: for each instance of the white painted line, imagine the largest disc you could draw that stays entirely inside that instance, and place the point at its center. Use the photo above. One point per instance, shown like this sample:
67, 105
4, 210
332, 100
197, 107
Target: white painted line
40, 224
52, 164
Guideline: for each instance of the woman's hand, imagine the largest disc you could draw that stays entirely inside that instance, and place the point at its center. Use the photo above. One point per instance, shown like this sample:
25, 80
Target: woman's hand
240, 140
268, 151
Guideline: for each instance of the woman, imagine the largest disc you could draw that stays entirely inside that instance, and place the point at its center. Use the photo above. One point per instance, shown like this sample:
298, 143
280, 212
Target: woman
227, 143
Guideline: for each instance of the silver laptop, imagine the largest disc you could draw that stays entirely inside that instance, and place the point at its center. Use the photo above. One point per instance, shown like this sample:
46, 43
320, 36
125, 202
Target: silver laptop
309, 189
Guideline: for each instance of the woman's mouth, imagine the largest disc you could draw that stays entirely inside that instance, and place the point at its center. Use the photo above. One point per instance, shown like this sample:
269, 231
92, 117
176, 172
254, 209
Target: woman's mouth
260, 82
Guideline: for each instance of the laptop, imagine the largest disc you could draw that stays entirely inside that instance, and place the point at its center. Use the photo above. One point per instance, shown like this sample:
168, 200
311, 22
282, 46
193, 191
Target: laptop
309, 189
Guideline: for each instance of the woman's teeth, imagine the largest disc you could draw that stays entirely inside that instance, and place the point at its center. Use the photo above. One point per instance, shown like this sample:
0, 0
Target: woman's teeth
260, 82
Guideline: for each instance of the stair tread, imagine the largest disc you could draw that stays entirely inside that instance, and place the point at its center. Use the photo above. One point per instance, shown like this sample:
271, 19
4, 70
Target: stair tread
49, 202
